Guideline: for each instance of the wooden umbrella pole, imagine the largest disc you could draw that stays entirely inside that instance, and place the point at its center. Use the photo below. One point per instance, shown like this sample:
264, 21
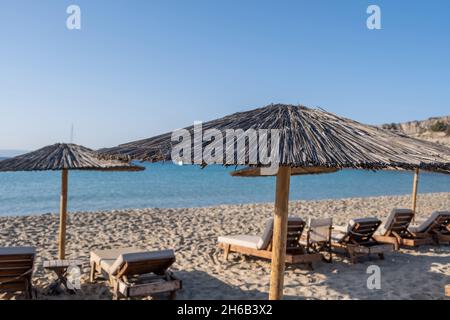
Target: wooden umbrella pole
280, 226
63, 216
414, 193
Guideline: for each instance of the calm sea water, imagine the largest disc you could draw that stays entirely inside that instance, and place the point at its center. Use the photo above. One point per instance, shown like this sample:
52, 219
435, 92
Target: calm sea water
167, 185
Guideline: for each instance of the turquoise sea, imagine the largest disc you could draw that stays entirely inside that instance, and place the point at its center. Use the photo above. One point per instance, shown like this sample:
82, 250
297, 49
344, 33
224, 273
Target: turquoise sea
167, 185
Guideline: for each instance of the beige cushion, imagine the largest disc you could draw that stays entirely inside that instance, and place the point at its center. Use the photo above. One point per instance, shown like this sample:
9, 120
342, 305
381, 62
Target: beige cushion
255, 242
106, 258
337, 236
266, 237
353, 222
9, 251
390, 220
140, 256
424, 226
319, 229
241, 240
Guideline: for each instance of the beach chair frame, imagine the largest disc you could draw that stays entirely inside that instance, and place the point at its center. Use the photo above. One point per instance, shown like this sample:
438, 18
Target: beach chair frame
399, 235
141, 278
323, 245
439, 230
16, 270
296, 253
359, 241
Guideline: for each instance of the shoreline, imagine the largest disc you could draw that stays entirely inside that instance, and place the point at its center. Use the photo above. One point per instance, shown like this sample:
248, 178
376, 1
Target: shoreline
193, 232
227, 205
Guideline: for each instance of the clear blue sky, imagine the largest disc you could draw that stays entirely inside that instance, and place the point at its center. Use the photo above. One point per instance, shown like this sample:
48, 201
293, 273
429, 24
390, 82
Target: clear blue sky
139, 68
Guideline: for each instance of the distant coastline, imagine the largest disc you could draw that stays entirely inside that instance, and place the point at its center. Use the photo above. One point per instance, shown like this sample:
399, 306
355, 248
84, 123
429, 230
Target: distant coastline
9, 153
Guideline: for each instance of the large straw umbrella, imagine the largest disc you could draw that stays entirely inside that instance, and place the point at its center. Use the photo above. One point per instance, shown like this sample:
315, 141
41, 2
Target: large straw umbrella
64, 157
309, 138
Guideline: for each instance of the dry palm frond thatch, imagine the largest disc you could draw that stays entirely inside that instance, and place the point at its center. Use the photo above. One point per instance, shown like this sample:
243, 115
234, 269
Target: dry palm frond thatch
308, 138
64, 156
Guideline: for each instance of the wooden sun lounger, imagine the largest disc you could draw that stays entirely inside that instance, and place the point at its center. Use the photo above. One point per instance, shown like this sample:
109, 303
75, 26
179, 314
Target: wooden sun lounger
357, 239
133, 272
261, 247
16, 269
396, 231
436, 227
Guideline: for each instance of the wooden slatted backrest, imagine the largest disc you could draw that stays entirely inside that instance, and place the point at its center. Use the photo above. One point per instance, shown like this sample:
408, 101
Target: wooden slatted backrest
13, 266
295, 230
362, 231
442, 223
401, 222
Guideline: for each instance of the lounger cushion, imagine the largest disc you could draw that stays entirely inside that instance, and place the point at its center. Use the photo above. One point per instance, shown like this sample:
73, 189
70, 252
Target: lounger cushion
390, 220
255, 242
353, 222
424, 226
337, 236
241, 240
106, 258
9, 251
319, 229
266, 237
140, 256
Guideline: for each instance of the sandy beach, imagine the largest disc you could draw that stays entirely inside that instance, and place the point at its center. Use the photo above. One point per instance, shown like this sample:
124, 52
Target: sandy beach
192, 233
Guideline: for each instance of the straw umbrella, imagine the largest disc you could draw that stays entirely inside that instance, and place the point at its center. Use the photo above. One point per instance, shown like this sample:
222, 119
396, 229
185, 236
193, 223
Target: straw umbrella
64, 157
309, 138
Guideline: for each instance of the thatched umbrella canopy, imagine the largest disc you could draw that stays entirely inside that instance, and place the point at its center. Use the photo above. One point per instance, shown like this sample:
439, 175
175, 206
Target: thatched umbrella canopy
307, 138
64, 157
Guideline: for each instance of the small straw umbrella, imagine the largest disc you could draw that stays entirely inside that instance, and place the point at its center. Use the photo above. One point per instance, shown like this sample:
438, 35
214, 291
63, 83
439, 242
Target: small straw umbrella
308, 138
63, 157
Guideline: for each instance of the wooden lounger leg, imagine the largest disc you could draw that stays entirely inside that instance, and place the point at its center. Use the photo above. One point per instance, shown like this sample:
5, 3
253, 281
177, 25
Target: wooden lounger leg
351, 255
226, 251
92, 273
115, 289
173, 295
29, 290
33, 292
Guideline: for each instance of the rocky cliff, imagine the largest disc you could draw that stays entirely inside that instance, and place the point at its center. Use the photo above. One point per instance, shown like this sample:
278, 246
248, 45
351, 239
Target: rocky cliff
436, 129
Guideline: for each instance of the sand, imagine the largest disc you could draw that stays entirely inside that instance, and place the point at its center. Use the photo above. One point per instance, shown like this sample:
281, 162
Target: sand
410, 274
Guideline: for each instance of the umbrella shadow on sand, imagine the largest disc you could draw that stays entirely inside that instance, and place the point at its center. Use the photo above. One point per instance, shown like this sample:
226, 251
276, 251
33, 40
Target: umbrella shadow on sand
409, 274
200, 285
